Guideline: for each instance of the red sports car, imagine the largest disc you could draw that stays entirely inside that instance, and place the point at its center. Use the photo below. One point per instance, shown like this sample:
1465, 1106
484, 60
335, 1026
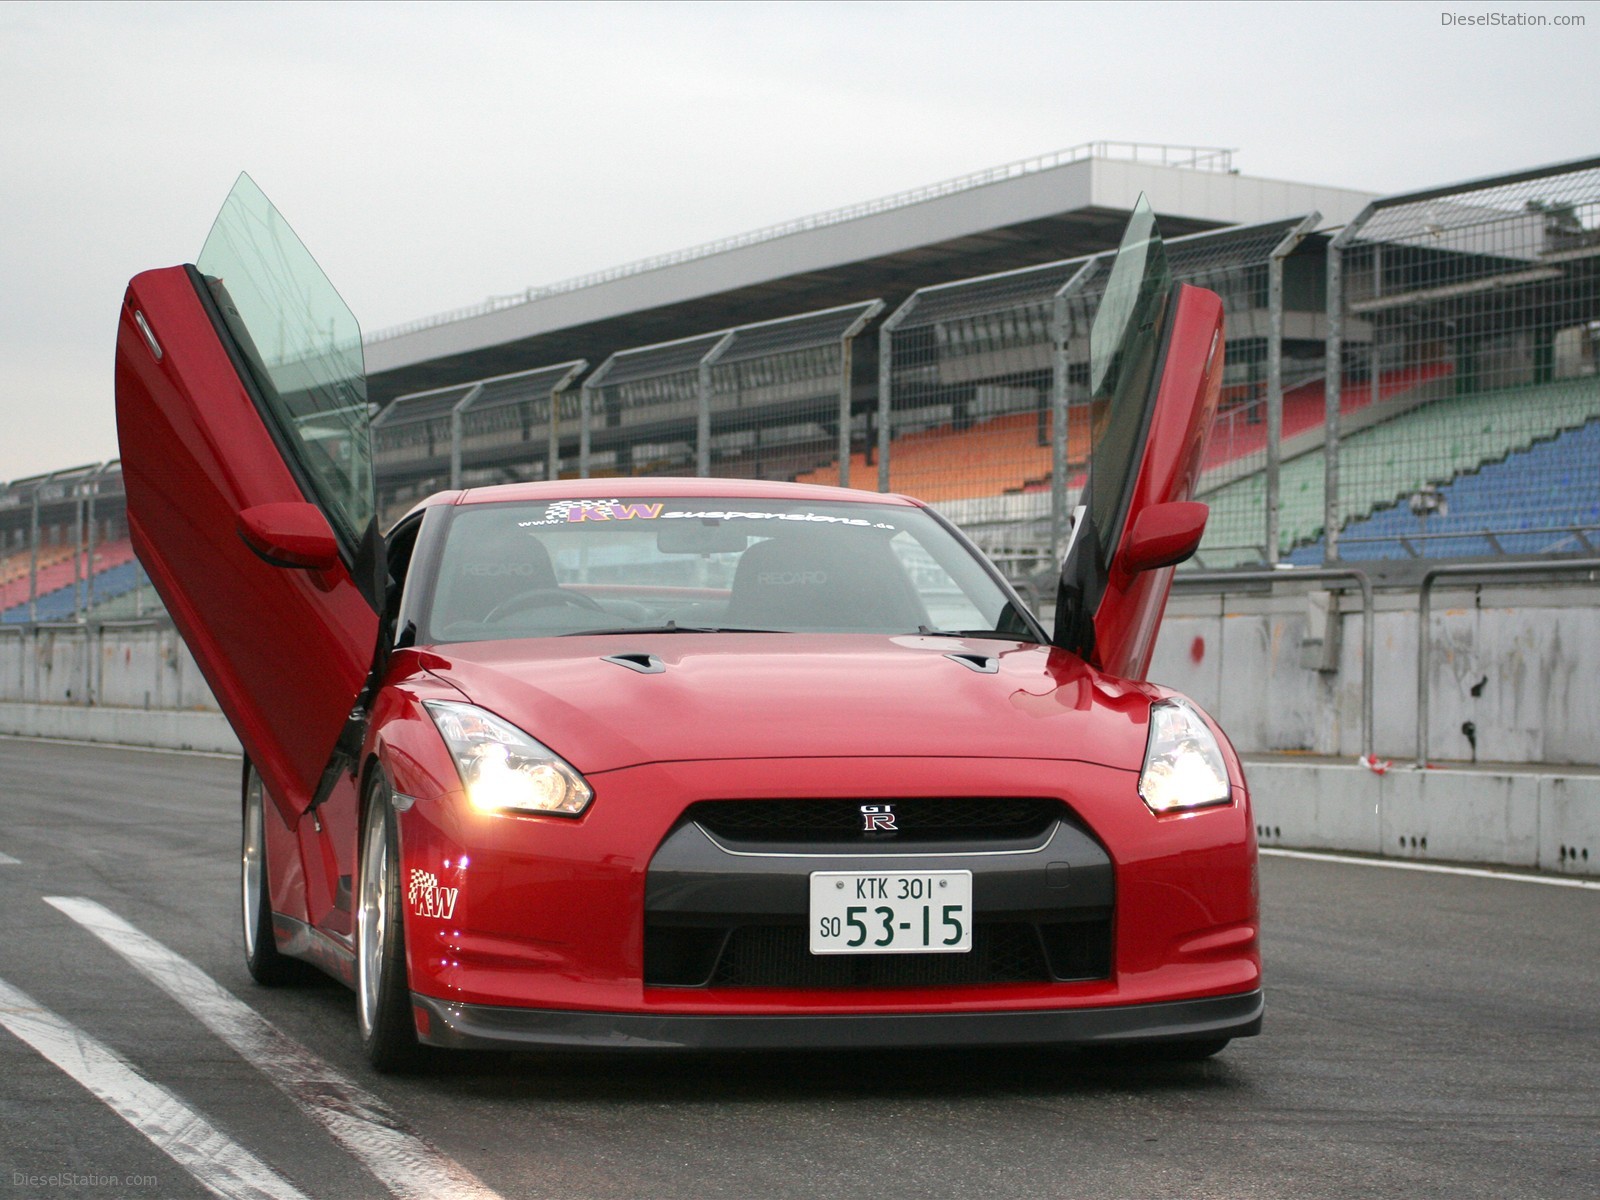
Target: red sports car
654, 762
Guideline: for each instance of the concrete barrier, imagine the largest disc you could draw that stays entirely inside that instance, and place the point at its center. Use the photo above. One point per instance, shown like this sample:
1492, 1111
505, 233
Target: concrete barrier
165, 729
1515, 818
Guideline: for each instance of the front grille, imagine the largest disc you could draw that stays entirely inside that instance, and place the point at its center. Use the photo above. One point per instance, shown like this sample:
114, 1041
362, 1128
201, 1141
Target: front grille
922, 819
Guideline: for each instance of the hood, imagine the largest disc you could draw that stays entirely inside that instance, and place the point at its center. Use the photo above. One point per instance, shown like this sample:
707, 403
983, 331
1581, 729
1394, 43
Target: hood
733, 696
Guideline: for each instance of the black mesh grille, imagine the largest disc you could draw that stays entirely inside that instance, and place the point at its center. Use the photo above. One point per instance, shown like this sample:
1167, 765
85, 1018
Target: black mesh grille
778, 956
939, 818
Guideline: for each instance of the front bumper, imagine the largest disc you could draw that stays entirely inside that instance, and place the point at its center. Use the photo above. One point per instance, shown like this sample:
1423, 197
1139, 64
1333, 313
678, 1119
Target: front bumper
487, 1027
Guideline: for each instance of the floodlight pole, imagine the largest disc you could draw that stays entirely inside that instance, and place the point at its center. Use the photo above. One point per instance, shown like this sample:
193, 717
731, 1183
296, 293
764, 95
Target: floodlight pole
1333, 389
885, 385
552, 469
846, 380
94, 492
702, 412
33, 552
455, 432
1275, 375
585, 408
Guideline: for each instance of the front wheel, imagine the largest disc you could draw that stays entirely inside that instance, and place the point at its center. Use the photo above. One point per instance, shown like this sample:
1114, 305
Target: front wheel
266, 964
383, 994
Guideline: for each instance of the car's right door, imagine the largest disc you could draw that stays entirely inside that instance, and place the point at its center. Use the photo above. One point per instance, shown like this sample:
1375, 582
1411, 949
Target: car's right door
1155, 374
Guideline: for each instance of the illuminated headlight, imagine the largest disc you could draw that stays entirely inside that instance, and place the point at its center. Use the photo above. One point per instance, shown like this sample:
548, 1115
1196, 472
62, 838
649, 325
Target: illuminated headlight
1183, 765
502, 768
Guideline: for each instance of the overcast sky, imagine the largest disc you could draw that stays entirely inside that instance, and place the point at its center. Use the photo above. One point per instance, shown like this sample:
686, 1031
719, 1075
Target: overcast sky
434, 155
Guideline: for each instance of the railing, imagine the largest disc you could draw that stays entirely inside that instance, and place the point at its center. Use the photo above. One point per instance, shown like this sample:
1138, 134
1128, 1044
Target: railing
1532, 571
1195, 158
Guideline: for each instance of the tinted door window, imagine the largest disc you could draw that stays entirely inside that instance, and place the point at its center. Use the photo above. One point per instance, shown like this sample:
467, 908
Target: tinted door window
301, 347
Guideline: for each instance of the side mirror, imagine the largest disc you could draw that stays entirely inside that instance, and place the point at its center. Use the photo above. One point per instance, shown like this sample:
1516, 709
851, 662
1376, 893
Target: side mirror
290, 535
1164, 534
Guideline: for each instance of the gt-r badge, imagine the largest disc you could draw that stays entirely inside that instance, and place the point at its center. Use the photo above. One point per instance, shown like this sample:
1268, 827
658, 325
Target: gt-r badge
878, 818
428, 899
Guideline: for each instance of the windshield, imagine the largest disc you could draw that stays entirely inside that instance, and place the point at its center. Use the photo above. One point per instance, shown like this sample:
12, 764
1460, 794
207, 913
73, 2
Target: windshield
564, 567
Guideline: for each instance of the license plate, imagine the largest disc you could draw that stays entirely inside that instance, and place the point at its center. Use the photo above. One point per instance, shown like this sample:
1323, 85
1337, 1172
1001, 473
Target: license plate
891, 912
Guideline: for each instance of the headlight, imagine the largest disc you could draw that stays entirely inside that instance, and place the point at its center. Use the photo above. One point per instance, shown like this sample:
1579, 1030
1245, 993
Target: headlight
502, 768
1183, 765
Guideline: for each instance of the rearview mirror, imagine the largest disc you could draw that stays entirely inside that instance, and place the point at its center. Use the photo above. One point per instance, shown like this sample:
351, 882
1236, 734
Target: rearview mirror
706, 536
1164, 534
290, 535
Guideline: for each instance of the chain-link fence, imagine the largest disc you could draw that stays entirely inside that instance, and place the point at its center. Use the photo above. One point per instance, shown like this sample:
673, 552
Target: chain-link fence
1268, 277
983, 390
1465, 419
64, 550
1459, 418
772, 400
644, 409
782, 402
503, 429
965, 415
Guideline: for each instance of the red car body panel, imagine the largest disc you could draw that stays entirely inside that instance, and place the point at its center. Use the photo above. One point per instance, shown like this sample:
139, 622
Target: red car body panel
195, 454
550, 913
1129, 615
750, 696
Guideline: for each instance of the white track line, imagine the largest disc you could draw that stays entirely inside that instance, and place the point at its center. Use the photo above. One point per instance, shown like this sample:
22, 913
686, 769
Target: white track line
1433, 868
406, 1163
222, 1166
7, 861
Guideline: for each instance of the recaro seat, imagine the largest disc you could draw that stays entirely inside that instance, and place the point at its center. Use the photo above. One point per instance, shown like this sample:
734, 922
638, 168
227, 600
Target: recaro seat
809, 580
499, 571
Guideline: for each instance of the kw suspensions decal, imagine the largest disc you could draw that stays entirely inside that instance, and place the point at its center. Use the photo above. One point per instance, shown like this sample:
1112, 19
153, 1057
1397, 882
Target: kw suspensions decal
569, 512
428, 899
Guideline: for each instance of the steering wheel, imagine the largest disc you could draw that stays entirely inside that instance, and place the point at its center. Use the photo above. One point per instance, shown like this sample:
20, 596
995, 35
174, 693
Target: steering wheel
539, 598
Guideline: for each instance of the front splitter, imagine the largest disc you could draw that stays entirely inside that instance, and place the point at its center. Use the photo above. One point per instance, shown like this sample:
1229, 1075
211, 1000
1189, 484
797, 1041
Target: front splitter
486, 1027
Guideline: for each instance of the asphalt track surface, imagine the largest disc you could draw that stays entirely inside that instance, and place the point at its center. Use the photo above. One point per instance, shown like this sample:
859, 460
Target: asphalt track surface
1427, 1035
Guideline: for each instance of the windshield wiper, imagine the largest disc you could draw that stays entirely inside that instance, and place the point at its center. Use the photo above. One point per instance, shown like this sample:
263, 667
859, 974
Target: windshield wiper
925, 631
669, 627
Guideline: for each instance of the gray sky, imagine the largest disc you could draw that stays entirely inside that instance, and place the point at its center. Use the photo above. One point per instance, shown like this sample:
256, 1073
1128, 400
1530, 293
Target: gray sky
433, 155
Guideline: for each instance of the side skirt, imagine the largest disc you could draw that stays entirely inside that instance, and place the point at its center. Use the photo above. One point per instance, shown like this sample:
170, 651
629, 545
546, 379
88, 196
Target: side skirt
299, 940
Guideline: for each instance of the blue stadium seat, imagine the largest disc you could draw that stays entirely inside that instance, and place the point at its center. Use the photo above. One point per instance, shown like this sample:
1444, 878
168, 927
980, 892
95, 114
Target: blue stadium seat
1552, 485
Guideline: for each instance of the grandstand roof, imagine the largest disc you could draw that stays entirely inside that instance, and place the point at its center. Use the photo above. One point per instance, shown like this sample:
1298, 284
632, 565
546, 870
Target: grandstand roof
1022, 214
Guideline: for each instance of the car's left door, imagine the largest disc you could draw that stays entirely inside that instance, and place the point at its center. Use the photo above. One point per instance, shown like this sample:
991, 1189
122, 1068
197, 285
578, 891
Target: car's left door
243, 422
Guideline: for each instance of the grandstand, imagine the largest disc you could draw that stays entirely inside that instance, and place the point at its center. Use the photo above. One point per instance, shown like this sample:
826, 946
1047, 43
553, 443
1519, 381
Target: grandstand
1433, 353
1536, 498
64, 549
68, 583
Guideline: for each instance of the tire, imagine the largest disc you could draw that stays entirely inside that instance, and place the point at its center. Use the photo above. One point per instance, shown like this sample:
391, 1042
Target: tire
383, 994
262, 958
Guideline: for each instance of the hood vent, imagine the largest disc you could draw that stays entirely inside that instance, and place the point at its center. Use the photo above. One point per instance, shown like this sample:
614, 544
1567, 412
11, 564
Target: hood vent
645, 664
981, 663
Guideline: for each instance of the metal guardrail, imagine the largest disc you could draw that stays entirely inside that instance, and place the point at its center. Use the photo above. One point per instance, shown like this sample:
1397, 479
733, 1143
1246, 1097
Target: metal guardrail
1220, 580
1531, 571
